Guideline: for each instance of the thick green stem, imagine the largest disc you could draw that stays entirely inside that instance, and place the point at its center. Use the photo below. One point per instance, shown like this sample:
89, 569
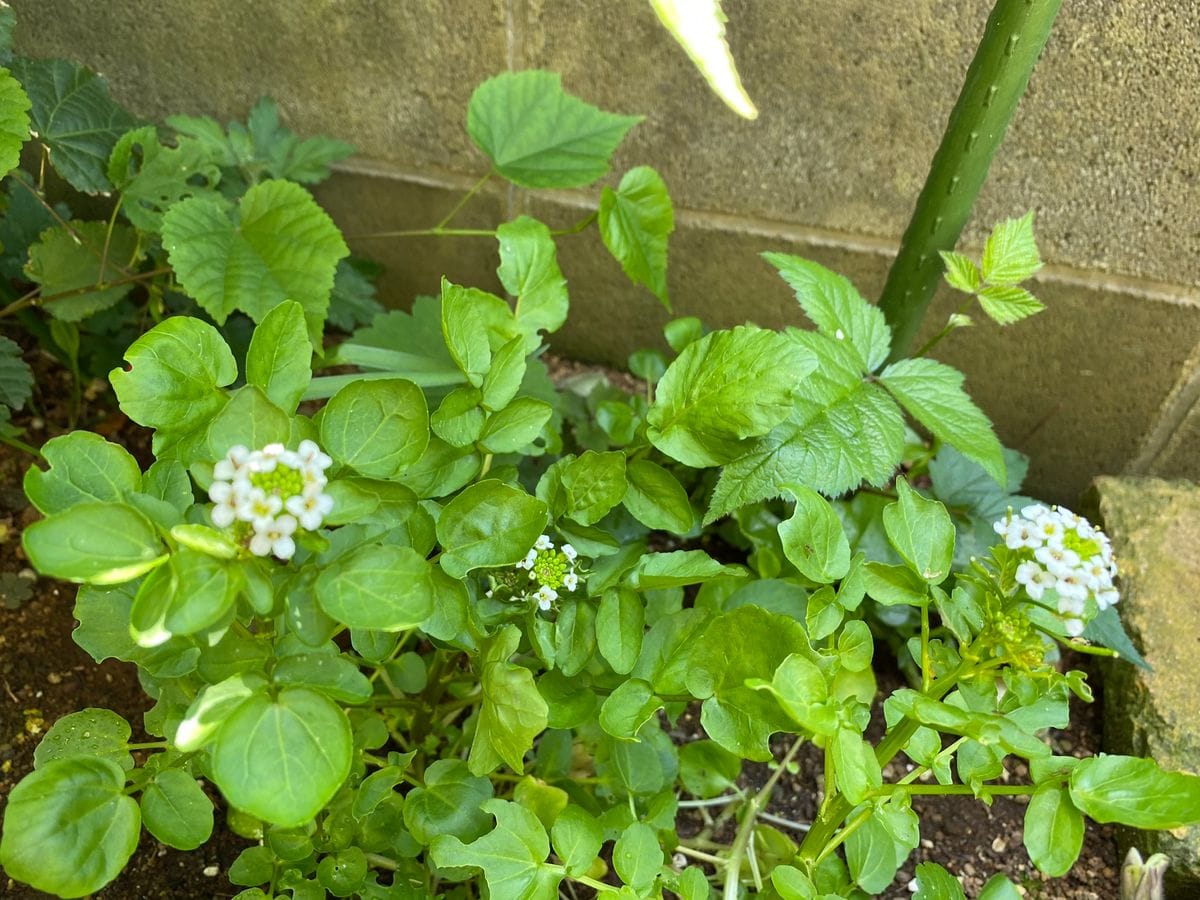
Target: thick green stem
1013, 39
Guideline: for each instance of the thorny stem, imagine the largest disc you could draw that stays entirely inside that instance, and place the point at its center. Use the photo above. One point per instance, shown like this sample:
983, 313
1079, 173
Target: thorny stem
1013, 38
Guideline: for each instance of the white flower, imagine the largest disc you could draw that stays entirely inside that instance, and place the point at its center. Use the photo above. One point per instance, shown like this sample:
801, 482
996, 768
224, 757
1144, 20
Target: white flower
1041, 582
1050, 529
569, 552
545, 596
1107, 596
309, 509
543, 543
311, 457
570, 581
275, 538
1072, 586
1074, 626
1034, 511
1049, 556
1022, 534
259, 508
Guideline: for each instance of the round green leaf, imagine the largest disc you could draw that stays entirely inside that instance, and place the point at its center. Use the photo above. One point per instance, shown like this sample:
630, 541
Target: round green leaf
488, 524
378, 586
89, 732
378, 428
69, 828
84, 468
449, 803
175, 375
813, 538
1053, 830
96, 543
176, 811
656, 498
1135, 792
282, 760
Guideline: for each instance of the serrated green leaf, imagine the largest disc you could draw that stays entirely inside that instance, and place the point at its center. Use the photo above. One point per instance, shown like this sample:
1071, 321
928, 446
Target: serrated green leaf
539, 136
529, 271
84, 468
1053, 833
836, 308
276, 245
69, 828
353, 302
284, 155
67, 258
512, 714
16, 379
932, 393
1005, 305
843, 431
961, 272
283, 758
635, 222
1010, 254
723, 389
73, 115
1135, 792
512, 856
152, 178
14, 119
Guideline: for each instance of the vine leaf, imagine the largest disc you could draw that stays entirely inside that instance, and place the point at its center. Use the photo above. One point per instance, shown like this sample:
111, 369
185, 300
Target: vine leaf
73, 115
277, 245
14, 120
16, 381
635, 222
72, 257
539, 136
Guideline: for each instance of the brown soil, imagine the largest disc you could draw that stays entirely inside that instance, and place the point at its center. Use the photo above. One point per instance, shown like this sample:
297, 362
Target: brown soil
44, 675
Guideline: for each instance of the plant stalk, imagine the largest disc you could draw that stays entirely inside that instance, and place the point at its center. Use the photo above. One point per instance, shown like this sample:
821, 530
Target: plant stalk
1013, 38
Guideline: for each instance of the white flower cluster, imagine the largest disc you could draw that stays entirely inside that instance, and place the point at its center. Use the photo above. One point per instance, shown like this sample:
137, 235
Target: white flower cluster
1064, 553
549, 569
267, 494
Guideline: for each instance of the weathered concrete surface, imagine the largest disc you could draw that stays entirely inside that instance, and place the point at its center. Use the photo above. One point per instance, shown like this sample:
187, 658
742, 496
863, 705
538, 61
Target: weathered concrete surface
392, 78
1155, 529
853, 97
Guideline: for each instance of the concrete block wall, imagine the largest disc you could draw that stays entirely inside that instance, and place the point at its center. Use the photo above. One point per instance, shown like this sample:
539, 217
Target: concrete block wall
853, 95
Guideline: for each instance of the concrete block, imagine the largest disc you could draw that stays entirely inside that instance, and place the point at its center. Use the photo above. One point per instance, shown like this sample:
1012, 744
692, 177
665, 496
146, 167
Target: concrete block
392, 78
1155, 529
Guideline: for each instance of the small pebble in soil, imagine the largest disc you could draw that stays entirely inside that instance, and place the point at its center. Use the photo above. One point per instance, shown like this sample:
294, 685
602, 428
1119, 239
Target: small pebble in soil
212, 871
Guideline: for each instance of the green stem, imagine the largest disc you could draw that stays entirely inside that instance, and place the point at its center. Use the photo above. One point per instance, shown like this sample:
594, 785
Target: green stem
463, 202
733, 864
816, 844
19, 444
382, 862
926, 661
700, 855
1013, 38
987, 790
33, 298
